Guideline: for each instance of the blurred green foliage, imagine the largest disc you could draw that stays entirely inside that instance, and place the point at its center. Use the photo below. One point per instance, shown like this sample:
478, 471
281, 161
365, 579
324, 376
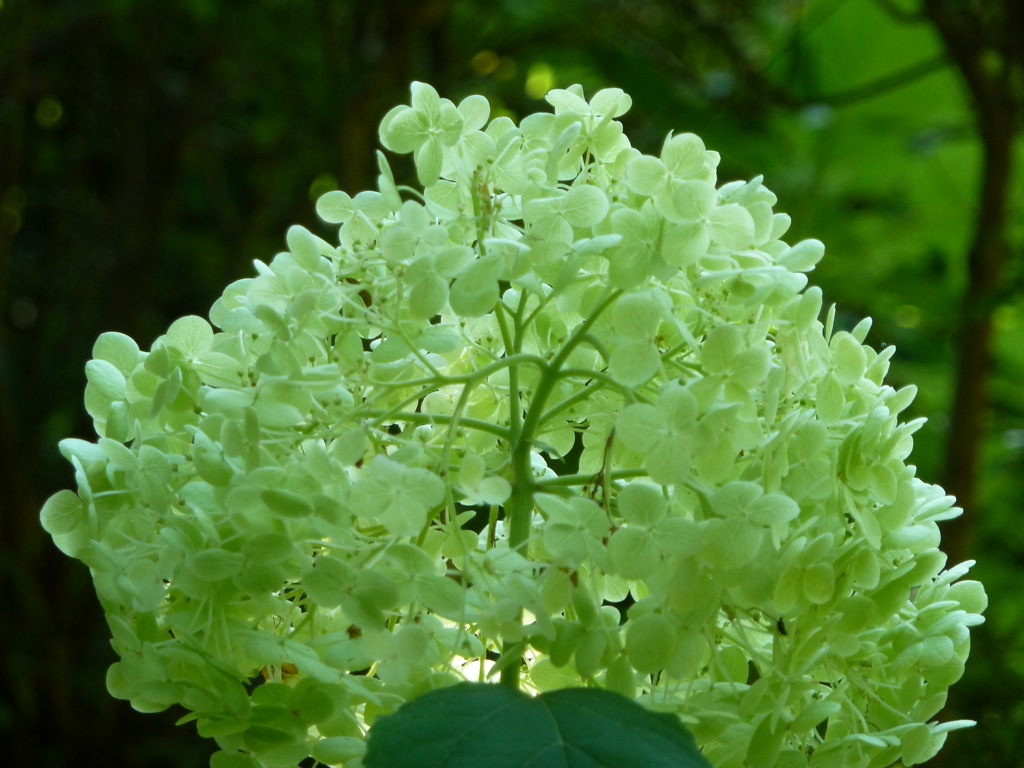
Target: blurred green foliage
149, 151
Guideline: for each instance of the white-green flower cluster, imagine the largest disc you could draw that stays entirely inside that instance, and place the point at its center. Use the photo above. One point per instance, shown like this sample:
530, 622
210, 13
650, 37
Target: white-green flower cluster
287, 498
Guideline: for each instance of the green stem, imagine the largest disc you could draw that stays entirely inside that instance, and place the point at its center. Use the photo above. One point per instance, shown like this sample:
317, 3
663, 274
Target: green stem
435, 418
519, 507
568, 481
584, 394
601, 349
515, 411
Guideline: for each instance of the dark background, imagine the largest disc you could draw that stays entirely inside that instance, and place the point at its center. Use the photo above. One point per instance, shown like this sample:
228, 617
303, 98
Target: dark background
150, 150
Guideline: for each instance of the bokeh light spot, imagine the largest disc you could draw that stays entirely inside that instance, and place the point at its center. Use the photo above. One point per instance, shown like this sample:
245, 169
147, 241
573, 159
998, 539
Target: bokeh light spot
49, 112
24, 313
907, 316
322, 184
485, 62
539, 80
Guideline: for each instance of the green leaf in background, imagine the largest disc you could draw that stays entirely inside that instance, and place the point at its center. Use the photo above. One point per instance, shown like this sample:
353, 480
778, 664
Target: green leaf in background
472, 725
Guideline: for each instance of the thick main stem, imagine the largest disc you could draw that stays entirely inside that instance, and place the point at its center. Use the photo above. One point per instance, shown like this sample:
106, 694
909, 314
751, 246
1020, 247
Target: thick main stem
519, 507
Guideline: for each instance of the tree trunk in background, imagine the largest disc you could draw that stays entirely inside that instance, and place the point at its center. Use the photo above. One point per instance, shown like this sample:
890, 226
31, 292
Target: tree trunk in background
974, 359
990, 91
995, 115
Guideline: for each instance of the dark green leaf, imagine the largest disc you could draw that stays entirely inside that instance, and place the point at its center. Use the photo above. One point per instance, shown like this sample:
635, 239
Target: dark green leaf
472, 725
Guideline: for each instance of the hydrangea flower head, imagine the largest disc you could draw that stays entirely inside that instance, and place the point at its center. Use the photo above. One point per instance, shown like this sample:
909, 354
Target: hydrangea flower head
569, 415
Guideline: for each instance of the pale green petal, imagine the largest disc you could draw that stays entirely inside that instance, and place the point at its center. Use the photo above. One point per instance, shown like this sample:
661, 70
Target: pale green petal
716, 464
404, 517
192, 335
398, 244
750, 367
386, 123
848, 358
414, 216
691, 653
765, 745
646, 175
442, 595
629, 224
633, 552
428, 297
219, 370
639, 426
424, 486
475, 110
970, 594
733, 542
630, 265
406, 131
542, 209
722, 345
304, 247
685, 244
553, 228
386, 184
780, 225
773, 509
803, 256
494, 490
684, 155
334, 207
268, 548
450, 124
677, 408
565, 542
761, 213
883, 484
694, 200
585, 205
642, 504
329, 582
62, 513
108, 381
610, 102
119, 350
591, 516
372, 205
564, 101
634, 363
454, 260
555, 508
670, 460
475, 293
425, 100
445, 200
472, 471
815, 713
608, 141
285, 504
679, 536
371, 496
429, 158
215, 564
637, 316
735, 499
830, 399
789, 589
731, 227
338, 749
819, 583
650, 642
